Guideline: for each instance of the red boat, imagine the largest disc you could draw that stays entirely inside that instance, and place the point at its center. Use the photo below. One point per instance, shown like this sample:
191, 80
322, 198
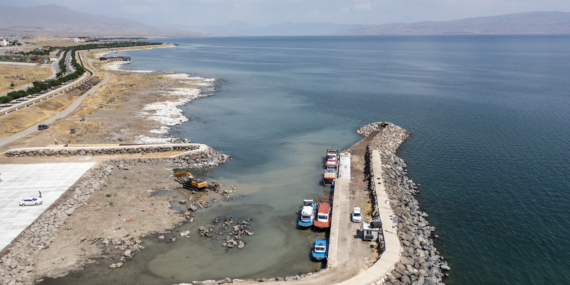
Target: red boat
324, 210
332, 159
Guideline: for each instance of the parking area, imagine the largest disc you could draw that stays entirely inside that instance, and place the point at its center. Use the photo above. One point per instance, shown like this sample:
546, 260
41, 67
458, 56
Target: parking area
26, 180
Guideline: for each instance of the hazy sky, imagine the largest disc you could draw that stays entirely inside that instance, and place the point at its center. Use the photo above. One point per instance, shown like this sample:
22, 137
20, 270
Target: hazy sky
174, 13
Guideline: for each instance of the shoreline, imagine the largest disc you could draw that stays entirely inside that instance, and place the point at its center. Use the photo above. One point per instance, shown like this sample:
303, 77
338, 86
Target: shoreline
83, 243
167, 112
417, 260
61, 249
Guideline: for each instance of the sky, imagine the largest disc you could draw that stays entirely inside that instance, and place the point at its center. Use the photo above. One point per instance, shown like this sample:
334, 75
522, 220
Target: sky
182, 13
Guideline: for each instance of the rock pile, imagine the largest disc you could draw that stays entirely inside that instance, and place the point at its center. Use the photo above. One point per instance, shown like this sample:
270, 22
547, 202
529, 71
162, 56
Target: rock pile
100, 151
420, 262
250, 280
127, 246
234, 232
200, 203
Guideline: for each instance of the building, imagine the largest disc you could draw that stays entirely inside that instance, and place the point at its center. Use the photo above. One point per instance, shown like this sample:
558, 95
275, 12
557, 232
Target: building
115, 58
81, 39
36, 58
4, 42
370, 230
53, 59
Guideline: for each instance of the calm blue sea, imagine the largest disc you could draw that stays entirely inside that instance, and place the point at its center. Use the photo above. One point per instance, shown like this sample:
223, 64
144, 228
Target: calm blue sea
490, 144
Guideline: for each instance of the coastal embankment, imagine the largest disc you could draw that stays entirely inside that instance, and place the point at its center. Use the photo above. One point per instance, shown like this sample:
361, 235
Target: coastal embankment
106, 212
420, 262
406, 254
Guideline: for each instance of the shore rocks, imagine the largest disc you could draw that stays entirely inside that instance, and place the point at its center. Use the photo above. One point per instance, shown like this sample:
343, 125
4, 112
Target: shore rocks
101, 151
420, 262
115, 265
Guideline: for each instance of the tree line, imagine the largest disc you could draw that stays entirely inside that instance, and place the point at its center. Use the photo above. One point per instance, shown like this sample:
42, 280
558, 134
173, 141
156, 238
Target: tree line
39, 86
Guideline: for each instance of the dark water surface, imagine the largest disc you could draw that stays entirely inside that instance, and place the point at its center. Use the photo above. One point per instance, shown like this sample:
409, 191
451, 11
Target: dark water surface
490, 118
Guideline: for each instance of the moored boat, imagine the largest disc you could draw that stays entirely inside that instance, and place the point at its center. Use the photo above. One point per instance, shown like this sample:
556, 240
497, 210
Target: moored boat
320, 249
324, 210
332, 159
307, 216
329, 177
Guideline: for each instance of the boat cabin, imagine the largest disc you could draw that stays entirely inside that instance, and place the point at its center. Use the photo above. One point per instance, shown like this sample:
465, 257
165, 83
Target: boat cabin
323, 219
307, 216
329, 178
320, 249
332, 159
370, 230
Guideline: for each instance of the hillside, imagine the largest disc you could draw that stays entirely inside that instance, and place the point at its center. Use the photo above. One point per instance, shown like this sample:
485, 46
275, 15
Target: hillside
237, 28
58, 20
532, 23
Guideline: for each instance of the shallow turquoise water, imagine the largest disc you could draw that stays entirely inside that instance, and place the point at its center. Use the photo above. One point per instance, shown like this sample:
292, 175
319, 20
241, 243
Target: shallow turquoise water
489, 117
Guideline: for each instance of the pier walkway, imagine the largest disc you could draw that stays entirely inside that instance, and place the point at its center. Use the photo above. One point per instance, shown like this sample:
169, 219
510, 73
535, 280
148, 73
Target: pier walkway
392, 251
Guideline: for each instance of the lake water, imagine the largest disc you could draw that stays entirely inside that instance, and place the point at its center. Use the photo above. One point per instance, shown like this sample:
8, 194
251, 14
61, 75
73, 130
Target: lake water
490, 123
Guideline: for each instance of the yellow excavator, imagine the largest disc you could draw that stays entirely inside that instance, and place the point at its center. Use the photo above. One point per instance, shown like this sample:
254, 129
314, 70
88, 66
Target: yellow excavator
190, 182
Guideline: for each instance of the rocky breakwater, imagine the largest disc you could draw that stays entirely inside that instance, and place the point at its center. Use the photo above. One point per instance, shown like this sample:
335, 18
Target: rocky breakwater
420, 263
140, 149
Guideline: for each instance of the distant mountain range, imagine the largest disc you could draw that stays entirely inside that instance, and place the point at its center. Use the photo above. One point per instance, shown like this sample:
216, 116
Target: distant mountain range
532, 23
237, 28
58, 20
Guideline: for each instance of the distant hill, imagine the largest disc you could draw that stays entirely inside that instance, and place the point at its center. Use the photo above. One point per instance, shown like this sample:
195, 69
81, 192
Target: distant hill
532, 23
58, 20
237, 28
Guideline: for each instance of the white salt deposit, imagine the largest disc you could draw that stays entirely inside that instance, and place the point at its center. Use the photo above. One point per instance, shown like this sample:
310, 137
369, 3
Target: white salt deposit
145, 139
167, 113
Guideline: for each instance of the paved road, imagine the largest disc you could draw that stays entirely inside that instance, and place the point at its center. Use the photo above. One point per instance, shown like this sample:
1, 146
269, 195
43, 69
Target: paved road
61, 114
68, 65
20, 63
55, 67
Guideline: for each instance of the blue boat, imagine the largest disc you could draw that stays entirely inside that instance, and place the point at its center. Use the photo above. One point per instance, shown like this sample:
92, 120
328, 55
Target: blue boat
308, 211
321, 248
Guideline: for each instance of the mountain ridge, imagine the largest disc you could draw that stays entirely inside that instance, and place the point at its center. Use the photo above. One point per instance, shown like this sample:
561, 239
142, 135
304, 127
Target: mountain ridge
55, 19
528, 23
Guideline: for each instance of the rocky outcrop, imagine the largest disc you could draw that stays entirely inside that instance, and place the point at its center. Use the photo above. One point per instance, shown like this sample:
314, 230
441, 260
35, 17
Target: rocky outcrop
421, 263
72, 151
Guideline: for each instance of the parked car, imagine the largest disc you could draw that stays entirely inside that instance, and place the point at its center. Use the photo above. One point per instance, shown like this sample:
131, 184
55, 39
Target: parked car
31, 201
356, 216
43, 127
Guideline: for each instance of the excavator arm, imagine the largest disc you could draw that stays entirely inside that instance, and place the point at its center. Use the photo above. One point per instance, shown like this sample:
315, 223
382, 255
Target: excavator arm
190, 182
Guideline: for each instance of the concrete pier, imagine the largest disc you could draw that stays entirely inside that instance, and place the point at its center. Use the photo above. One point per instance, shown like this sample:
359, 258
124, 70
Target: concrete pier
340, 206
393, 249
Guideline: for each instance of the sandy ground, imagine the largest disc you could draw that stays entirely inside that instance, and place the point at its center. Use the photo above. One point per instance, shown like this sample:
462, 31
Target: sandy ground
130, 106
22, 119
116, 112
126, 195
8, 75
